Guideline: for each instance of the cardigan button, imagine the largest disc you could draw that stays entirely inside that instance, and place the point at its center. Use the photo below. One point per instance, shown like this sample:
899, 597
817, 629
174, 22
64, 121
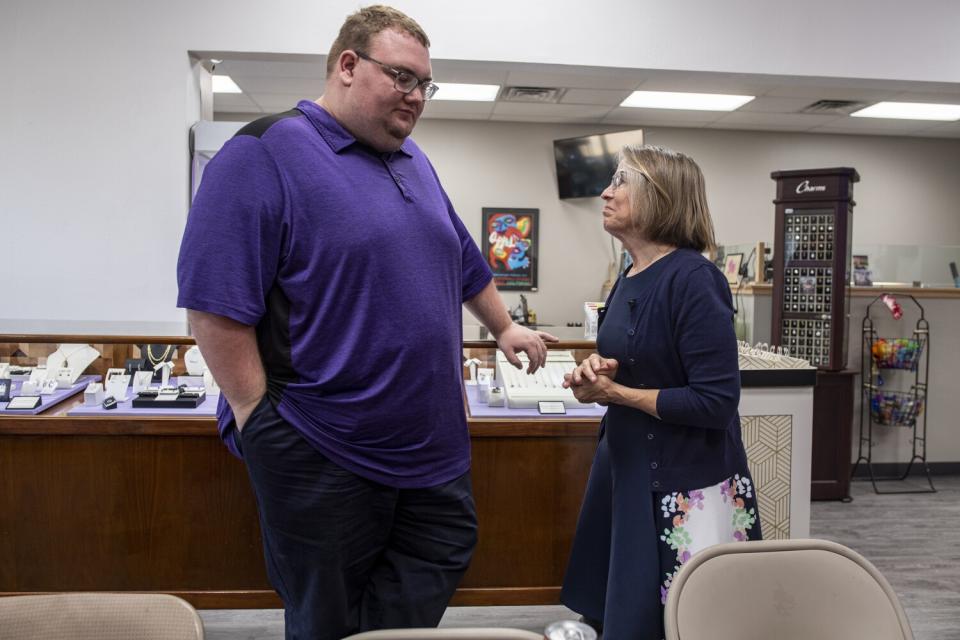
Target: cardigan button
656, 484
633, 361
650, 437
631, 332
653, 465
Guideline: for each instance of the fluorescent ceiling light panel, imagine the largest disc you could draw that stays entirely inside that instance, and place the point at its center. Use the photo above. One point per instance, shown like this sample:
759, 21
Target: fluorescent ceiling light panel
225, 84
910, 111
688, 101
471, 92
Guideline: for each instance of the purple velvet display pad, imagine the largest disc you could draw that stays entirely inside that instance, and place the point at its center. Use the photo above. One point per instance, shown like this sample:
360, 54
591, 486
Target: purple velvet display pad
481, 410
52, 400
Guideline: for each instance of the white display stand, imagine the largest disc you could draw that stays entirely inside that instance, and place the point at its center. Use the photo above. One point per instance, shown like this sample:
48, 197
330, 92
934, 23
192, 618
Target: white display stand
779, 408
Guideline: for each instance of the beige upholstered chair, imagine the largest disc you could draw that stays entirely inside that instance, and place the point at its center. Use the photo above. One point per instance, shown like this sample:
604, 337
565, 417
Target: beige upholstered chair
784, 589
486, 633
98, 616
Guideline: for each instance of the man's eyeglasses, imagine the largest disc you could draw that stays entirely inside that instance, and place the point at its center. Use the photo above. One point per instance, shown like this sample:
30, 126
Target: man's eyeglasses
404, 81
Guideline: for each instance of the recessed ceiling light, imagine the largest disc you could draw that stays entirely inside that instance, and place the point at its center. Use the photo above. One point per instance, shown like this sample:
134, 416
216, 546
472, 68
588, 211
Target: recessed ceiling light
689, 101
472, 92
225, 84
910, 111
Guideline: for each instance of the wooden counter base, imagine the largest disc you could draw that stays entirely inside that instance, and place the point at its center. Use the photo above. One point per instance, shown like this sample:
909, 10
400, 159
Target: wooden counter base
159, 505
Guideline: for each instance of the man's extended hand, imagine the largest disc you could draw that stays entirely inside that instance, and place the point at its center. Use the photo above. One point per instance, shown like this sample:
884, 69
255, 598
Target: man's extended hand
516, 338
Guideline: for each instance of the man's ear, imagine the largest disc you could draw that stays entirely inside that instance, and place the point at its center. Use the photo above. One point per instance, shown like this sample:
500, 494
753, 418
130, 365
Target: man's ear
346, 64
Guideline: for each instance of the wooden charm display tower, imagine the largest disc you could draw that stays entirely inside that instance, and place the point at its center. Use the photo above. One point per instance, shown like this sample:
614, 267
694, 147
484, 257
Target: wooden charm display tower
814, 225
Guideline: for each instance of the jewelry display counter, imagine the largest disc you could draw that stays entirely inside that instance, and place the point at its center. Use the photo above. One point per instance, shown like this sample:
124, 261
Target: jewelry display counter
158, 504
124, 503
131, 503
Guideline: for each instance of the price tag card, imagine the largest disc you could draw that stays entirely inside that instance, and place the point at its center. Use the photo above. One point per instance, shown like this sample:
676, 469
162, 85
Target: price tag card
24, 402
551, 407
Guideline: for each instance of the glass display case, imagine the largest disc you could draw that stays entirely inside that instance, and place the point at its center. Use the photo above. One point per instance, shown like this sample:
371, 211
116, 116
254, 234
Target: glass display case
925, 266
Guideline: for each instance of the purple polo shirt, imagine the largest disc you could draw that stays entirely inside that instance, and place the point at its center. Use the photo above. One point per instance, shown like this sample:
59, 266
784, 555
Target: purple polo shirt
353, 266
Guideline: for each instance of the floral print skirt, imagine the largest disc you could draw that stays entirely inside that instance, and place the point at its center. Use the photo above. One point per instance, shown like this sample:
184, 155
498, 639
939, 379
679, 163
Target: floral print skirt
694, 520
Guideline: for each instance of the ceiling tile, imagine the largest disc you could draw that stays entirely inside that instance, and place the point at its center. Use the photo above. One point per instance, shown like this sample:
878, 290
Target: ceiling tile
472, 73
756, 127
549, 110
882, 126
545, 119
935, 88
275, 82
455, 109
606, 97
941, 130
825, 92
934, 98
667, 117
788, 120
587, 78
687, 82
768, 104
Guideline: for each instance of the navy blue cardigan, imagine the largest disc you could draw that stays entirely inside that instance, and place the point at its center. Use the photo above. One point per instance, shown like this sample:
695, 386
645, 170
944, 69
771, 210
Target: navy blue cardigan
682, 343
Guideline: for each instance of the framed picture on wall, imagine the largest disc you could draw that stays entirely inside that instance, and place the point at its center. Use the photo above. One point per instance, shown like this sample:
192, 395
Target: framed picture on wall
510, 246
731, 266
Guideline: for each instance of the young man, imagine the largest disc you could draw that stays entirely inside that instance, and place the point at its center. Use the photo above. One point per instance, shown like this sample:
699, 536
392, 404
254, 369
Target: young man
324, 268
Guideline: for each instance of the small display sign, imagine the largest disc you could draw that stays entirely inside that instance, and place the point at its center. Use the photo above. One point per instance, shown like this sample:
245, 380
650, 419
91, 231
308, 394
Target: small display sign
551, 407
24, 403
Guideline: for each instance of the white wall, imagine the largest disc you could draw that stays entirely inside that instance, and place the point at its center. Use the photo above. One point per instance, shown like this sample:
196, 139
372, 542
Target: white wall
484, 164
97, 98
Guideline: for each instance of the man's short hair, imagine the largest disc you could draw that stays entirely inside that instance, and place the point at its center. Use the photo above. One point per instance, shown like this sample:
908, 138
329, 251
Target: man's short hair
360, 27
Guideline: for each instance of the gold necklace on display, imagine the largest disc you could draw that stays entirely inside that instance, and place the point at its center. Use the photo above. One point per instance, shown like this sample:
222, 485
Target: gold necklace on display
163, 358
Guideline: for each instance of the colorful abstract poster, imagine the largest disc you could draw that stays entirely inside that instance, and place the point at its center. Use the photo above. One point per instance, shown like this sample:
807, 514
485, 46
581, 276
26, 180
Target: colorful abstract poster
510, 239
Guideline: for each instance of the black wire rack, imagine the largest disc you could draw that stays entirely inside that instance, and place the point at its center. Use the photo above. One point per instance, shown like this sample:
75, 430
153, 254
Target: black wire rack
883, 407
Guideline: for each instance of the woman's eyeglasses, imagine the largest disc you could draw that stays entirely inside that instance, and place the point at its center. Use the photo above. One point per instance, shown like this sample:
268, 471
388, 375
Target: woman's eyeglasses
620, 177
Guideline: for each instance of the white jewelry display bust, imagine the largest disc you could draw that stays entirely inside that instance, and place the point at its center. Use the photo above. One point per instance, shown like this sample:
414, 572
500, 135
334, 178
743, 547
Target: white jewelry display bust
194, 361
74, 356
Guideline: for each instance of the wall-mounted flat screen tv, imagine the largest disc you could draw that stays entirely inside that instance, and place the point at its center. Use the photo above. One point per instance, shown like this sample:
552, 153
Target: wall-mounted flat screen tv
585, 165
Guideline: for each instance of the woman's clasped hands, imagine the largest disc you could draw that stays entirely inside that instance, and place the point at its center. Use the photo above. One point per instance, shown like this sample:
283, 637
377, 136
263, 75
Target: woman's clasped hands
592, 380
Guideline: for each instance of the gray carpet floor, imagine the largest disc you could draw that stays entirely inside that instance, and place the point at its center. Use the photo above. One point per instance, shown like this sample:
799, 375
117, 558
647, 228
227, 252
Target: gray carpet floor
914, 540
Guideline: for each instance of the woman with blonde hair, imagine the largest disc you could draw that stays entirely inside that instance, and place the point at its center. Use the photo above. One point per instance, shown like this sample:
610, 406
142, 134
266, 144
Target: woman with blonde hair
670, 475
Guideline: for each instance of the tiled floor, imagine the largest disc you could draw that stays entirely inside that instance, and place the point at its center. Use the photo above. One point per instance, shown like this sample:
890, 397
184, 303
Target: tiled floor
913, 539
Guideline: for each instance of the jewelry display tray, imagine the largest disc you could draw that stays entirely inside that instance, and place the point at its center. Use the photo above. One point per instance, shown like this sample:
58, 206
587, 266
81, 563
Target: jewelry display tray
49, 401
179, 403
125, 408
478, 409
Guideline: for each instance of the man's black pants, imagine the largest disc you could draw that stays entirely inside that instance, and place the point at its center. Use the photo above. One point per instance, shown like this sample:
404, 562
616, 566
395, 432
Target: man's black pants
347, 554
